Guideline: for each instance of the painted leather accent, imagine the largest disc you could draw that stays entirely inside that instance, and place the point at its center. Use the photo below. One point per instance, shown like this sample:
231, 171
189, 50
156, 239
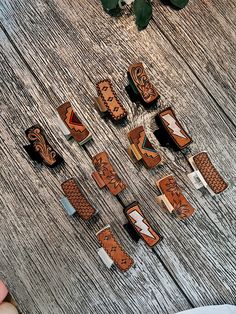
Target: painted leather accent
167, 119
77, 199
107, 240
145, 88
77, 130
137, 219
107, 173
209, 172
41, 148
150, 156
181, 207
108, 97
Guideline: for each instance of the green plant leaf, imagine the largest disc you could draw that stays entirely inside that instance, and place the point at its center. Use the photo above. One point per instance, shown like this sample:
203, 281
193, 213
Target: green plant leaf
179, 3
143, 13
109, 4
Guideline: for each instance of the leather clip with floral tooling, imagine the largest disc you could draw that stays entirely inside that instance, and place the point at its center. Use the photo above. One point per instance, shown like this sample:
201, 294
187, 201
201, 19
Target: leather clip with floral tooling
172, 198
39, 149
106, 175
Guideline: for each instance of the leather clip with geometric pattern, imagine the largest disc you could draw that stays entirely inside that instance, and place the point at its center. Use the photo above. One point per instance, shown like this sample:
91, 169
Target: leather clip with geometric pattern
172, 198
108, 102
71, 125
140, 89
170, 131
75, 202
139, 227
205, 174
39, 149
142, 149
111, 251
106, 175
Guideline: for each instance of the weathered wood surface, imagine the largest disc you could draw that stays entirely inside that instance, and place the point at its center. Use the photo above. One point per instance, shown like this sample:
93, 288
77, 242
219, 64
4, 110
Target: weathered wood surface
58, 50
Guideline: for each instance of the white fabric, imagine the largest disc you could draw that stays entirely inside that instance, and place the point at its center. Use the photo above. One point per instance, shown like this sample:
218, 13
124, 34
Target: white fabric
213, 309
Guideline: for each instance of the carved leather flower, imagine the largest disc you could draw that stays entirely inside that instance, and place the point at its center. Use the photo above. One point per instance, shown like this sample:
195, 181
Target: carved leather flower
172, 187
181, 210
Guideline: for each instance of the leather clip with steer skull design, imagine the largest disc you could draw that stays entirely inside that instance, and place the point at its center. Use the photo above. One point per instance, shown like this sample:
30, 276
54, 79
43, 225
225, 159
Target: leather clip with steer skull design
108, 102
106, 175
205, 174
139, 227
140, 89
170, 131
172, 199
39, 149
111, 251
75, 202
142, 149
71, 125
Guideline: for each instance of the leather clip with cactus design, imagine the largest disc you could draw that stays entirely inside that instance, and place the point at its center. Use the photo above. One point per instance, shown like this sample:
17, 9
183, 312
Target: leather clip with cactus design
142, 149
172, 198
39, 149
111, 251
205, 174
170, 132
106, 175
139, 227
75, 202
108, 102
140, 89
71, 125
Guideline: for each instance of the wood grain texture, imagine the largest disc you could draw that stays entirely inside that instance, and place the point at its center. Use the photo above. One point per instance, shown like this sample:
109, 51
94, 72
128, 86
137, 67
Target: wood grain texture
64, 48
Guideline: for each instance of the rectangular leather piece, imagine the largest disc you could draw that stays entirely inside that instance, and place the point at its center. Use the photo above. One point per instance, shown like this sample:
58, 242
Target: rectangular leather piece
77, 199
107, 240
107, 173
181, 207
107, 97
150, 156
209, 172
136, 217
77, 129
178, 136
40, 146
142, 83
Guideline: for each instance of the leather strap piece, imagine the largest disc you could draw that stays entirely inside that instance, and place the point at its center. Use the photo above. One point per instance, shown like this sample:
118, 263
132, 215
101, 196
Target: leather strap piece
181, 207
107, 174
178, 137
39, 149
149, 155
77, 129
107, 240
141, 82
136, 217
77, 199
209, 172
108, 98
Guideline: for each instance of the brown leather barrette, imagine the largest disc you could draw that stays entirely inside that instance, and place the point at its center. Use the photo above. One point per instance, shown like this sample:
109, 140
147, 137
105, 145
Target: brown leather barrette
74, 200
108, 102
141, 148
140, 88
106, 175
39, 149
205, 174
172, 198
170, 131
138, 226
111, 251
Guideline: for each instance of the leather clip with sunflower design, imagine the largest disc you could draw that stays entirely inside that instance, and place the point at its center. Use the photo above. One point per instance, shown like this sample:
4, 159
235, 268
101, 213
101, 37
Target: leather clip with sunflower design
172, 198
170, 131
142, 149
140, 89
39, 149
106, 175
205, 174
71, 125
108, 102
111, 251
139, 227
